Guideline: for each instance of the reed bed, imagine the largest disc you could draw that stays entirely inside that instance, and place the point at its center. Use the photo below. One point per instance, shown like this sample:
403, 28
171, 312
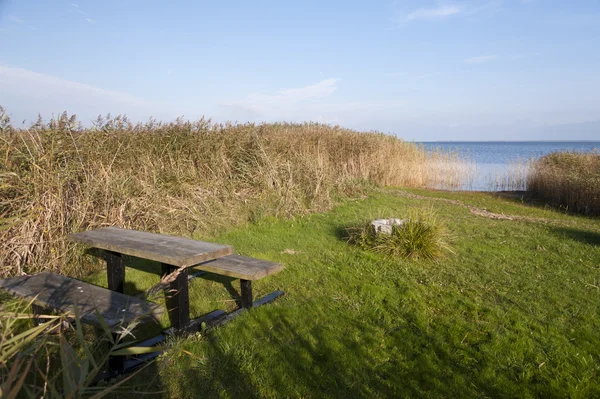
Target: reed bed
187, 178
514, 178
569, 180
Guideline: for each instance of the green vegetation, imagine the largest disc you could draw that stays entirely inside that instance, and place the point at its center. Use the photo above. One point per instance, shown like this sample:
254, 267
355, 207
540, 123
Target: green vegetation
421, 236
30, 353
569, 180
514, 313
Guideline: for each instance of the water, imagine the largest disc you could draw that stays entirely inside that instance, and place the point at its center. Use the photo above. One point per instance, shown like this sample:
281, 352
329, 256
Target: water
496, 160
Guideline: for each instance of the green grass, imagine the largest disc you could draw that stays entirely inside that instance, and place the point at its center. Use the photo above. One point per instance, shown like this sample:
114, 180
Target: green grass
514, 313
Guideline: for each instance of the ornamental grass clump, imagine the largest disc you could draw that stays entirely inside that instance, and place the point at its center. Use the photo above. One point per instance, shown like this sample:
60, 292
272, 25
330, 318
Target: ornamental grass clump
420, 236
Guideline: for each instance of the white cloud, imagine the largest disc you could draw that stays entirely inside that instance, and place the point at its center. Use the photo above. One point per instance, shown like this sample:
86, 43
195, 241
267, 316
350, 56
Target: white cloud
91, 21
26, 93
395, 74
480, 59
308, 103
284, 99
440, 12
15, 19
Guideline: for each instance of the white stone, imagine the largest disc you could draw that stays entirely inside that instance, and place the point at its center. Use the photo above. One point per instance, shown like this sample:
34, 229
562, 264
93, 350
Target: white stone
385, 225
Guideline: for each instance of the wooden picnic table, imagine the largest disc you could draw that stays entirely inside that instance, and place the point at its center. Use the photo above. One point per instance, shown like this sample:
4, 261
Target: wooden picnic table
50, 291
177, 254
172, 252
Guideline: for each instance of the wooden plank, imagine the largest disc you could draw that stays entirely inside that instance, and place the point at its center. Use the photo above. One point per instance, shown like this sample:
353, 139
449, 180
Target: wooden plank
260, 302
241, 267
177, 251
63, 294
196, 324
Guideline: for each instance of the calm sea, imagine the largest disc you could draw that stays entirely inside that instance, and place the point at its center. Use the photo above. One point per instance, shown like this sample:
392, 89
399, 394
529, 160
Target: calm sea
495, 160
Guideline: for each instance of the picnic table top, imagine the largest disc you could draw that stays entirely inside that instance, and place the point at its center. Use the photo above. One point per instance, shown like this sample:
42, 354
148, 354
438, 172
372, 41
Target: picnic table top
176, 251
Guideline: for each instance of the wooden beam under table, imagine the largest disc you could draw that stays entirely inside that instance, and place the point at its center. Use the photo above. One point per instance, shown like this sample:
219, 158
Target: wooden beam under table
115, 271
177, 296
246, 292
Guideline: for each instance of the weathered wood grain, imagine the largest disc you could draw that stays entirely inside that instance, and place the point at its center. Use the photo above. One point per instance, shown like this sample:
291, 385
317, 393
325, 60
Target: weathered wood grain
177, 251
241, 267
64, 294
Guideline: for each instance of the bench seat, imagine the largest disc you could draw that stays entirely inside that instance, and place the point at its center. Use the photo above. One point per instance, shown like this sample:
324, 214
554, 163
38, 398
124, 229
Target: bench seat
64, 294
242, 267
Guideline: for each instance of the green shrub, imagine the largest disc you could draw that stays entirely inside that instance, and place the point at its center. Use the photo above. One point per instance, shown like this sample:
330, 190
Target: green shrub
421, 236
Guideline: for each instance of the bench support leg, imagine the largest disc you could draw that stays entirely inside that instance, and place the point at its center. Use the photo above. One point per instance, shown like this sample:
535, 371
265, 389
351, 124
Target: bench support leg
115, 271
116, 364
38, 311
177, 297
246, 290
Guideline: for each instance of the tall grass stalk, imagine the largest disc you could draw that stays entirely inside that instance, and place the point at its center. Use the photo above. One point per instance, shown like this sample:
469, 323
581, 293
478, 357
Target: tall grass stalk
182, 178
514, 178
36, 363
569, 180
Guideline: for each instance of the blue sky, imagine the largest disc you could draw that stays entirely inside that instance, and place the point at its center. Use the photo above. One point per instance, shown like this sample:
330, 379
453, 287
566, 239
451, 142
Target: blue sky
424, 70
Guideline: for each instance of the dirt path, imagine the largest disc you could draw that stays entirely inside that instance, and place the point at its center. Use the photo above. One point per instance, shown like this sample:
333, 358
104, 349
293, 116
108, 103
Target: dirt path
478, 211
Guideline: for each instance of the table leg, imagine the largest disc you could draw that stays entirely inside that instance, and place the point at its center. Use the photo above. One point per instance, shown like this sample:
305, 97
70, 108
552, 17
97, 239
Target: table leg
177, 297
116, 364
246, 288
115, 271
38, 311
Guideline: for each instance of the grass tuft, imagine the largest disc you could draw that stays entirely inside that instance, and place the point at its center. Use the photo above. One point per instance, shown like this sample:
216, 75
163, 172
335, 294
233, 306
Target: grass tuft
421, 236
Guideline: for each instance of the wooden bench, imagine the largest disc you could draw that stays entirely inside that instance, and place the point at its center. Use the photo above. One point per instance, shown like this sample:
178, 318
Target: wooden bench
50, 291
64, 295
176, 255
246, 269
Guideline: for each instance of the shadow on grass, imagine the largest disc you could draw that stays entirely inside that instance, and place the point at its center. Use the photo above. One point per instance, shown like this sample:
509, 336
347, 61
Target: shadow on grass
341, 232
146, 383
524, 198
225, 281
321, 361
583, 236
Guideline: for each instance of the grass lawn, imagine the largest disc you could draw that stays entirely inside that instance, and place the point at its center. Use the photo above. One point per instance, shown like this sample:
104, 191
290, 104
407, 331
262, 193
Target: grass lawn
514, 313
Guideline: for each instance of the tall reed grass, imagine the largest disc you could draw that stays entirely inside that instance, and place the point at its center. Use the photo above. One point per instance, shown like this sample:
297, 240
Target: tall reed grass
569, 180
182, 178
514, 178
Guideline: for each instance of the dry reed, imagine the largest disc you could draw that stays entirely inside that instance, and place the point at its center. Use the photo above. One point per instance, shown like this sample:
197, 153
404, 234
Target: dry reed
569, 180
187, 178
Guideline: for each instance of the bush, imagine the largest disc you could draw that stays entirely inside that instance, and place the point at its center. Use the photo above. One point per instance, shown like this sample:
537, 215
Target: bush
421, 236
569, 180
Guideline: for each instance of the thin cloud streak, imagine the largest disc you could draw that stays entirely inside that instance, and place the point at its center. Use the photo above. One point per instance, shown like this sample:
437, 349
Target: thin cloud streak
440, 12
25, 89
15, 19
283, 103
86, 16
480, 59
395, 74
